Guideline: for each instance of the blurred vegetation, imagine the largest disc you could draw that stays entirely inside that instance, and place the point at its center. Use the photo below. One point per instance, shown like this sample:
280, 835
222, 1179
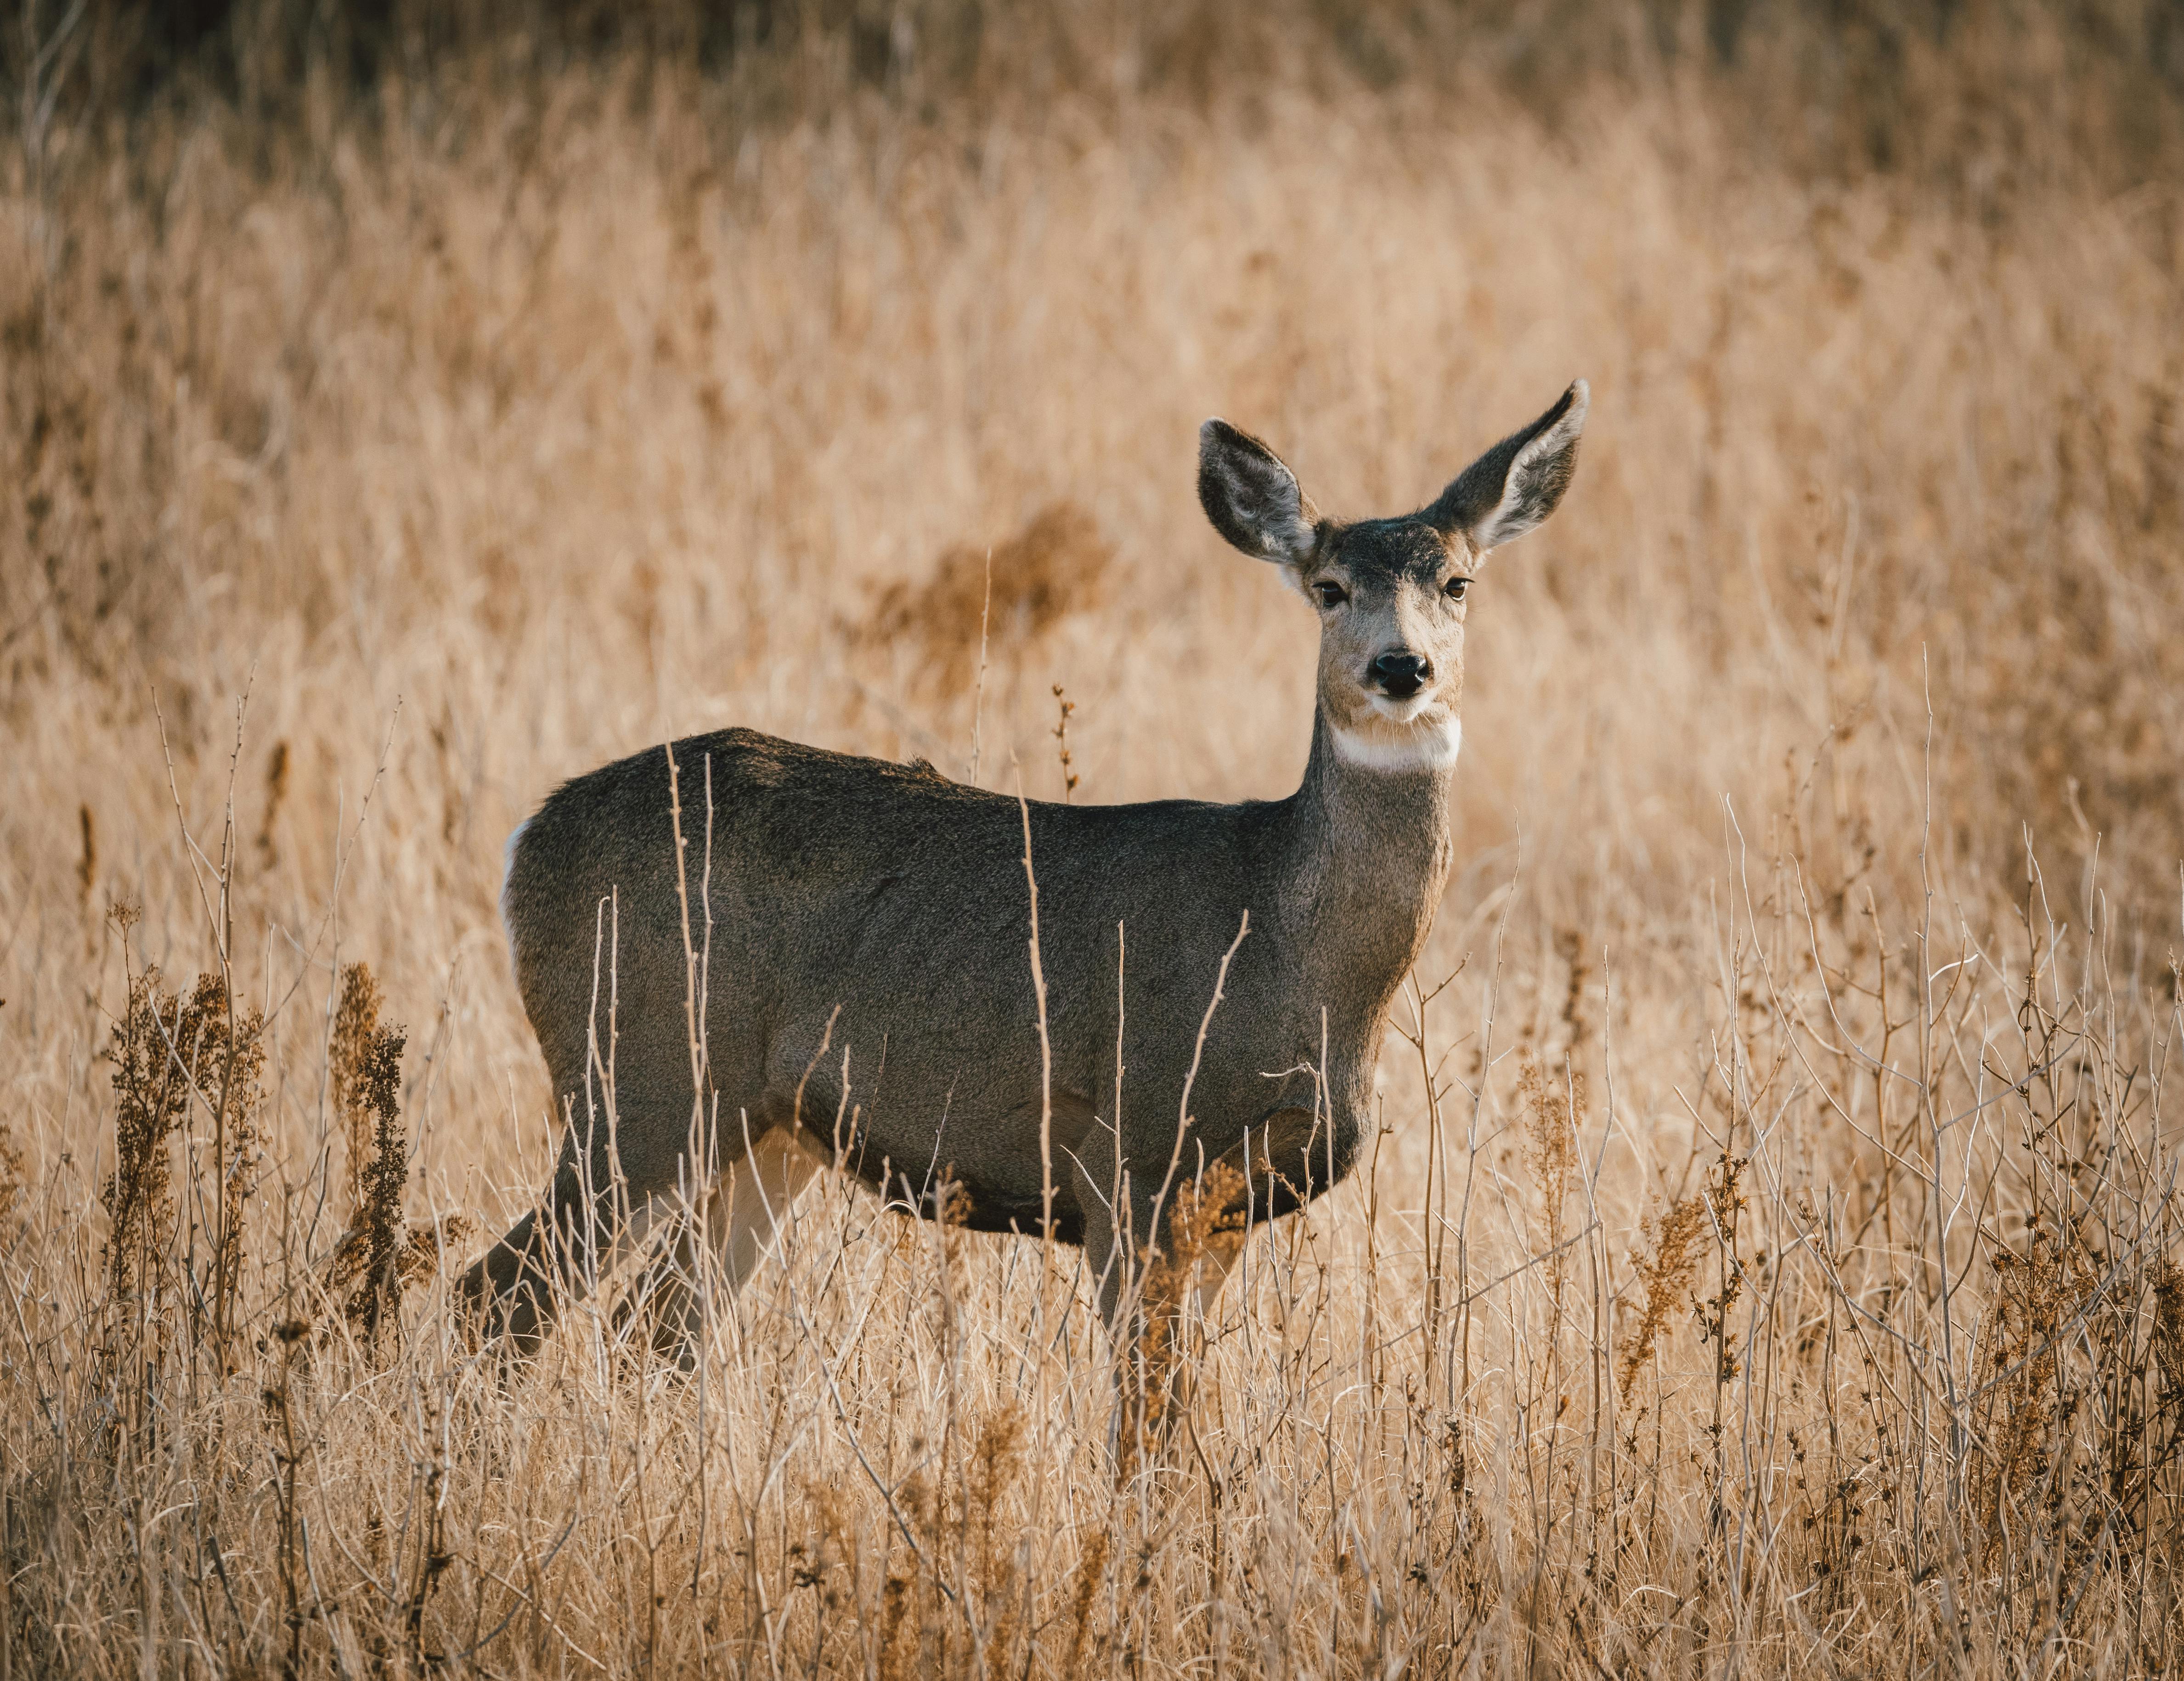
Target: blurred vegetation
1982, 97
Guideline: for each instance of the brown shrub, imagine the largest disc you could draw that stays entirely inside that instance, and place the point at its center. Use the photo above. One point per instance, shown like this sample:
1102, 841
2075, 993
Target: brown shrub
1057, 565
169, 1052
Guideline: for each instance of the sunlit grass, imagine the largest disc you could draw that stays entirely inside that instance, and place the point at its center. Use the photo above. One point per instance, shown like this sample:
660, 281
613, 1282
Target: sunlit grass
1771, 1256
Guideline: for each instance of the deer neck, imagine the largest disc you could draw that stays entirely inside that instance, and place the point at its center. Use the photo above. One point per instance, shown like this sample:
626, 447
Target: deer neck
1369, 852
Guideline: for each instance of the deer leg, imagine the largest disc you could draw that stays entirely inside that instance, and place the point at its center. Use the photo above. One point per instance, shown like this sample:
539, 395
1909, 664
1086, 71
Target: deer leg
1117, 1266
601, 1204
1145, 1289
1091, 1183
1208, 1220
745, 1213
517, 1289
751, 1214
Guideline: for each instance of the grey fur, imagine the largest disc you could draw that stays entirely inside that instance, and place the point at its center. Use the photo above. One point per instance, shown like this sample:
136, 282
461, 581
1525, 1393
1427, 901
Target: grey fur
868, 998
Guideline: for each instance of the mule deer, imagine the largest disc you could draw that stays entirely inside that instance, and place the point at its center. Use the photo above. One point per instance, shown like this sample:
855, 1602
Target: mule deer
865, 915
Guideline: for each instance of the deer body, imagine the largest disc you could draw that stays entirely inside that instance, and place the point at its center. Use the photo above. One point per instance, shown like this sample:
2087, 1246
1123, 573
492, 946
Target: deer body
858, 944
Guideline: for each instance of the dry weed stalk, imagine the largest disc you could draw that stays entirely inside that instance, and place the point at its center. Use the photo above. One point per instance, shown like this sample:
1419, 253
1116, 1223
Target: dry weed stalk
926, 1620
1724, 1203
288, 1450
2168, 1276
995, 1463
152, 1093
1570, 947
1091, 1569
350, 1061
2036, 1293
378, 1257
1061, 737
171, 1054
11, 1177
234, 1054
86, 868
1553, 1112
1671, 1237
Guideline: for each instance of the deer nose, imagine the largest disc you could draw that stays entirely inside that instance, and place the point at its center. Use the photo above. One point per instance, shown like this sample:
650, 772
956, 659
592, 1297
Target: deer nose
1402, 674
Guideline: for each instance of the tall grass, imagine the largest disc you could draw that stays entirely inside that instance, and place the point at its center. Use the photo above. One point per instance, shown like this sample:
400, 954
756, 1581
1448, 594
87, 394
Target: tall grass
1770, 1257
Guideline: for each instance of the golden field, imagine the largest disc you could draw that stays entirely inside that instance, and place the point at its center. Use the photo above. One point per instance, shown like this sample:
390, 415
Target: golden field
1770, 1261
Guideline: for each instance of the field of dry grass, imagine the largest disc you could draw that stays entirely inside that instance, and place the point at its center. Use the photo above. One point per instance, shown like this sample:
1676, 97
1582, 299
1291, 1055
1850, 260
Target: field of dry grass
1771, 1261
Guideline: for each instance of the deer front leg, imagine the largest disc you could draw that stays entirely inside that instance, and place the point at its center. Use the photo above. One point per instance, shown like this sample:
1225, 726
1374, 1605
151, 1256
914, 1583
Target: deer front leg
1204, 1223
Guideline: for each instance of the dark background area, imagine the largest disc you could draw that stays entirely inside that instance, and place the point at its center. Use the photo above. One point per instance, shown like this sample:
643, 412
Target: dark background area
1950, 89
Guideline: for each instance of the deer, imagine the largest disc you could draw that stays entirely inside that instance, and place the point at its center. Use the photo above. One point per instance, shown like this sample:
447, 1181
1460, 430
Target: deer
747, 961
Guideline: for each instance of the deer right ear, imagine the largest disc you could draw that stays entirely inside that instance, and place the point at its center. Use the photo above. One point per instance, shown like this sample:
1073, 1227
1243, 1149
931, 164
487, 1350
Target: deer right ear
1252, 499
1515, 485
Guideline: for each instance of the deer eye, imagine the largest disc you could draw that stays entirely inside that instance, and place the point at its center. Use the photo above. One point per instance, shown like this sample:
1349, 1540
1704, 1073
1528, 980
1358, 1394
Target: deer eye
1330, 594
1455, 587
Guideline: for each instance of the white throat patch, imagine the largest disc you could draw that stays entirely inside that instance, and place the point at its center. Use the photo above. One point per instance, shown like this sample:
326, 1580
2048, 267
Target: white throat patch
1427, 744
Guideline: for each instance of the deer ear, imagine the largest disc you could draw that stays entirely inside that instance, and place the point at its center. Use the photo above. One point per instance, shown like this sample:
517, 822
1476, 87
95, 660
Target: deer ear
1252, 499
1517, 483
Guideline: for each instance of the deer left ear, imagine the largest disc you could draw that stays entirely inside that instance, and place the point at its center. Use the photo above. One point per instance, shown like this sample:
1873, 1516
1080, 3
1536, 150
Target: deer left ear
1517, 483
1252, 498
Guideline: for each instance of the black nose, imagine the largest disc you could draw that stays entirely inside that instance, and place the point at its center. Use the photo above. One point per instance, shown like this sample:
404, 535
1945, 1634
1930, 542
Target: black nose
1403, 675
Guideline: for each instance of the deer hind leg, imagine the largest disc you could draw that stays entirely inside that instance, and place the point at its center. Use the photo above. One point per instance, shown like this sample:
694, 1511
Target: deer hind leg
745, 1213
554, 1254
601, 1204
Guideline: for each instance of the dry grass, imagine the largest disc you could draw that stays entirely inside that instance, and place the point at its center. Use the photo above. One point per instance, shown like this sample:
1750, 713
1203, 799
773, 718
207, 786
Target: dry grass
1771, 1258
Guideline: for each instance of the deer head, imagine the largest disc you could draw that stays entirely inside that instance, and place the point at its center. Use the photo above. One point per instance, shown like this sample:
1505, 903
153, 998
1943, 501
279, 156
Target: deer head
1390, 593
